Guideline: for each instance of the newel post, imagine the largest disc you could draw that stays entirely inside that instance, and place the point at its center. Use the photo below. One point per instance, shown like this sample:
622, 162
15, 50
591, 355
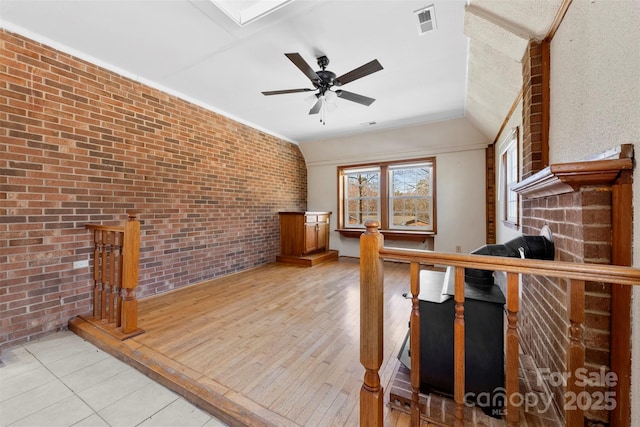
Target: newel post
131, 261
371, 325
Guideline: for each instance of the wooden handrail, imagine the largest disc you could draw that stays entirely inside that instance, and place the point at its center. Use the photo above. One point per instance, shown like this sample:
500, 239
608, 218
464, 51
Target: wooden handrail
116, 259
372, 255
114, 228
567, 270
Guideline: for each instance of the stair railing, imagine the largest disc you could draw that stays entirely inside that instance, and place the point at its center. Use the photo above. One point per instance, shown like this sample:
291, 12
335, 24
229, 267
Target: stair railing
372, 254
116, 259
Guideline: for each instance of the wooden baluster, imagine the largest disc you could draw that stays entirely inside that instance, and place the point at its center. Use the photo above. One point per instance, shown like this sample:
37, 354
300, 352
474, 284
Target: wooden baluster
104, 264
371, 325
513, 349
458, 347
118, 302
415, 344
112, 276
97, 247
130, 266
575, 416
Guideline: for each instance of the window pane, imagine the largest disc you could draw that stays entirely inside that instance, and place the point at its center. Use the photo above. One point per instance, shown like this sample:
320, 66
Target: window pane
509, 177
512, 178
362, 197
410, 201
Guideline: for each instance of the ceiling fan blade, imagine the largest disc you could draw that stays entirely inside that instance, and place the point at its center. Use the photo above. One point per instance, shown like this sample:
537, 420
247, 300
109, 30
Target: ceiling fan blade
316, 107
350, 96
363, 70
280, 92
303, 66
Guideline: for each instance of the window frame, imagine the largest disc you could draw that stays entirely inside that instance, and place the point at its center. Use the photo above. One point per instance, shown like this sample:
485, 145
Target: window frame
348, 172
384, 203
509, 164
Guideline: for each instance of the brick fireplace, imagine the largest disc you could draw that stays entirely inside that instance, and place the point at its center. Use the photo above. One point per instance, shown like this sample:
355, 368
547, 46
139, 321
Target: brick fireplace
579, 203
588, 208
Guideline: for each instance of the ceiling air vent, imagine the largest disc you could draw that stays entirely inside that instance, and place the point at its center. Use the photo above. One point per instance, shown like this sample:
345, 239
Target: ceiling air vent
426, 19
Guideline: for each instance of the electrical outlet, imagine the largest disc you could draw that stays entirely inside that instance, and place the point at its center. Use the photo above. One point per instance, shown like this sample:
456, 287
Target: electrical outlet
81, 264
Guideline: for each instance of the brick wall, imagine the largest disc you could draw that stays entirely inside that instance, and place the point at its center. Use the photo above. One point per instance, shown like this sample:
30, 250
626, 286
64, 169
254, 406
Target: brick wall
80, 144
581, 224
581, 227
491, 193
535, 65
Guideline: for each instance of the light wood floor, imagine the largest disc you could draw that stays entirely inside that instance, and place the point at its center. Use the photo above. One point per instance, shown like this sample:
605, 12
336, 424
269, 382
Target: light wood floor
277, 345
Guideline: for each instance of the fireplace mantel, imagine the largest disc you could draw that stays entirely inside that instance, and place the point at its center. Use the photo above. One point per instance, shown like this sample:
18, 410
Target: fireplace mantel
564, 178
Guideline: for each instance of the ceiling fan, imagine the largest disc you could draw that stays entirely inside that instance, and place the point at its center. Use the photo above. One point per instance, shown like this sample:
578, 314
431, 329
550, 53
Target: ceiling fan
323, 80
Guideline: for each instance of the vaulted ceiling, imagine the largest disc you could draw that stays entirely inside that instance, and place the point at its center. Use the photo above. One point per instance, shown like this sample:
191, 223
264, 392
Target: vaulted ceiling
469, 65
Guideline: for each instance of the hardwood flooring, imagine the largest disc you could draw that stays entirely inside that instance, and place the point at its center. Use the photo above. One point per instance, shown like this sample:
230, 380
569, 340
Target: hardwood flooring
274, 346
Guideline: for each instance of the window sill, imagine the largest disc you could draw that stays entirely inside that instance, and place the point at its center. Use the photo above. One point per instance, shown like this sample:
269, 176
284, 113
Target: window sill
511, 224
415, 236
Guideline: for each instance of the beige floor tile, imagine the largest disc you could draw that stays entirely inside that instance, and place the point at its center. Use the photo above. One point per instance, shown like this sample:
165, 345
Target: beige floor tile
214, 422
92, 421
39, 379
138, 406
92, 375
77, 361
113, 389
29, 380
64, 413
16, 362
179, 413
25, 404
63, 345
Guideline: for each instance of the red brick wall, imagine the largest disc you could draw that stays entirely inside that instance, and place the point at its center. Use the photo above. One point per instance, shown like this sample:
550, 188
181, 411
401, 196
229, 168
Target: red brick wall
80, 144
581, 227
532, 109
491, 193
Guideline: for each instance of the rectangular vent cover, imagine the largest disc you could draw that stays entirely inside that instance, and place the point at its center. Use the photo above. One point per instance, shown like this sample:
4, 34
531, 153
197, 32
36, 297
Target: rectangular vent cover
426, 19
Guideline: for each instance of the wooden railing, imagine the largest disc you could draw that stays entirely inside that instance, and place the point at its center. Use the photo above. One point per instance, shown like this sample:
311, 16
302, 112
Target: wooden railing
373, 252
116, 259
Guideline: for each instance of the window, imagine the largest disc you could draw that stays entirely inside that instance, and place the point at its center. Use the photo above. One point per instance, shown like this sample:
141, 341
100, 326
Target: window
361, 196
410, 202
400, 195
509, 177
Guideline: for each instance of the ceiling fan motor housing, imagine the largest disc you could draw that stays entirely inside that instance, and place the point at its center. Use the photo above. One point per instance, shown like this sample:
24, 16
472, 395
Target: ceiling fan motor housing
327, 79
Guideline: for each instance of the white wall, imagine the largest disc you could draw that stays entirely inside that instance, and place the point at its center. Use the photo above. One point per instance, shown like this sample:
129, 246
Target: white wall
459, 149
595, 105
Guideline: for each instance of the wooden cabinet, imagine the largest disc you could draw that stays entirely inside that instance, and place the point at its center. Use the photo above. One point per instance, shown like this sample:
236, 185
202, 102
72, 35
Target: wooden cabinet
316, 232
303, 234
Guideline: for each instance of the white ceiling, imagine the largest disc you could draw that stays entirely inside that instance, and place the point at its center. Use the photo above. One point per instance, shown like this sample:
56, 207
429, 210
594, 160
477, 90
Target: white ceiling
194, 50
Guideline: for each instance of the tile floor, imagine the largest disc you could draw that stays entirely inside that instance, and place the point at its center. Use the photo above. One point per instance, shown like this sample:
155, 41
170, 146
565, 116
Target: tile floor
63, 380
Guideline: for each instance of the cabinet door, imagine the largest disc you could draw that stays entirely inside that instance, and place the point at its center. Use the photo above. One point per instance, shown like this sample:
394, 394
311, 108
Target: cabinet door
310, 237
323, 236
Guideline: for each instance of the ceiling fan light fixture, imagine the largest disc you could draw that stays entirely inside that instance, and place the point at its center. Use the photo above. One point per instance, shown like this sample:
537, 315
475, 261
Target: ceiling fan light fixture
311, 99
330, 96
